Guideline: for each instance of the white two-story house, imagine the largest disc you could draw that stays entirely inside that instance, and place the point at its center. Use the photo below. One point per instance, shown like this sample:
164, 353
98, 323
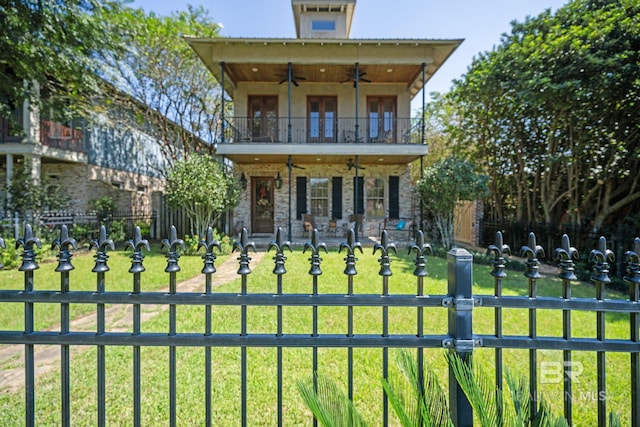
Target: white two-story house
322, 129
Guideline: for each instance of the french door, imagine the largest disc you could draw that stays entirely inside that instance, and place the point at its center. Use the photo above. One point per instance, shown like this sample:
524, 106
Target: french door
322, 118
381, 118
263, 118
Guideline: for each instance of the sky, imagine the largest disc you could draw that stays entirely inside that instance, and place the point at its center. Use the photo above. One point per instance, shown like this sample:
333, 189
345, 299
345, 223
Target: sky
479, 23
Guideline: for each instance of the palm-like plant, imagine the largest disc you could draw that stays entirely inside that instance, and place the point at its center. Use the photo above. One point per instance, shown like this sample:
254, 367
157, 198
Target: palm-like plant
425, 404
328, 403
417, 404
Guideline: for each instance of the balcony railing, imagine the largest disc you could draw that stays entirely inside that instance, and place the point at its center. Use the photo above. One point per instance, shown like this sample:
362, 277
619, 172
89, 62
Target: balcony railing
316, 130
52, 134
56, 135
10, 130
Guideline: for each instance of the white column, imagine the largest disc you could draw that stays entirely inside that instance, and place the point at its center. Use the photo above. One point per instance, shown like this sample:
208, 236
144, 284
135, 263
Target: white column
31, 112
9, 177
34, 163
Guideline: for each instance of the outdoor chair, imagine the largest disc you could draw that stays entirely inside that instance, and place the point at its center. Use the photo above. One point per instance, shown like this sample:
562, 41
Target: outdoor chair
308, 223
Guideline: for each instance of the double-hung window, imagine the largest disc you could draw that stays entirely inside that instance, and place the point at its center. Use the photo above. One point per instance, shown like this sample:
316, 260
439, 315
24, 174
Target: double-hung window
374, 188
319, 197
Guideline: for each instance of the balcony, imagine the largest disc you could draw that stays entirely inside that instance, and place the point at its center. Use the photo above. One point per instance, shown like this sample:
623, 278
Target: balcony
56, 135
10, 131
52, 134
310, 130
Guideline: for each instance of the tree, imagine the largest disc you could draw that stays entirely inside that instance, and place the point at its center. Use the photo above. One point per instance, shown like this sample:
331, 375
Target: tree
169, 90
443, 185
202, 187
53, 43
551, 115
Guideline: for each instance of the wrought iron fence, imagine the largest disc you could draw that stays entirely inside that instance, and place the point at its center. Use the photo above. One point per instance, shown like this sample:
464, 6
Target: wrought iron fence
84, 224
459, 301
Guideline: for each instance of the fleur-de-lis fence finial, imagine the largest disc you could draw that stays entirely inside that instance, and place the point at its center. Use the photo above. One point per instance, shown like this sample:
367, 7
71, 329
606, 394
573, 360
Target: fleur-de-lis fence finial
315, 246
601, 258
243, 245
565, 255
136, 245
497, 250
385, 247
350, 260
632, 259
532, 251
209, 256
65, 244
279, 245
2, 246
421, 249
101, 244
28, 254
173, 244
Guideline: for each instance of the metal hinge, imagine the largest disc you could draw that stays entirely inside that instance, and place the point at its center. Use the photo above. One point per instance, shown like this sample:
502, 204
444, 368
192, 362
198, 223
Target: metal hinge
462, 304
462, 346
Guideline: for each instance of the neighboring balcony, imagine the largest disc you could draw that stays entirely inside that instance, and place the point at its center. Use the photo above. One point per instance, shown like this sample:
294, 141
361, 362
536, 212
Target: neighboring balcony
370, 130
52, 134
56, 135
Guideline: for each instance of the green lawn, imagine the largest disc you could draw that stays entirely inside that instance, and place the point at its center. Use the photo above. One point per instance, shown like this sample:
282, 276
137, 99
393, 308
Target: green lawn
297, 362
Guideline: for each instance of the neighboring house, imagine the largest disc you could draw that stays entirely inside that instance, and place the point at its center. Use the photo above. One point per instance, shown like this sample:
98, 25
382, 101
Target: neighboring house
322, 123
87, 158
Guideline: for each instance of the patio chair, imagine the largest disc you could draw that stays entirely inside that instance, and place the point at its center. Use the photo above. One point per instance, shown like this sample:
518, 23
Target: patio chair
308, 223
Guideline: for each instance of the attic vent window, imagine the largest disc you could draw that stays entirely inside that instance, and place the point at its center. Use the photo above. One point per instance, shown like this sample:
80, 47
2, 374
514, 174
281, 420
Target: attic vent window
323, 25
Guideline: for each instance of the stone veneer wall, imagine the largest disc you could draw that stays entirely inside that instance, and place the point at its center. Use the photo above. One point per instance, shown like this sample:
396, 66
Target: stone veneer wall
242, 213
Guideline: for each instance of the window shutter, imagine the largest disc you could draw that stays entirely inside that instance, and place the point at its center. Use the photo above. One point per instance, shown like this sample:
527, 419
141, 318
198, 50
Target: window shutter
301, 196
360, 201
394, 197
336, 197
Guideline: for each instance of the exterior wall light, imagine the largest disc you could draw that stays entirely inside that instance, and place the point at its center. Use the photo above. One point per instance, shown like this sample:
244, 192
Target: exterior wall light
278, 181
243, 181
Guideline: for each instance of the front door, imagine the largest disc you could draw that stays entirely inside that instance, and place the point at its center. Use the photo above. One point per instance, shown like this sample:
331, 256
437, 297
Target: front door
262, 205
322, 118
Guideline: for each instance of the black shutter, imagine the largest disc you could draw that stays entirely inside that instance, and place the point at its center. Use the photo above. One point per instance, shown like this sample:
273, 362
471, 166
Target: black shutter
301, 196
336, 197
360, 201
394, 197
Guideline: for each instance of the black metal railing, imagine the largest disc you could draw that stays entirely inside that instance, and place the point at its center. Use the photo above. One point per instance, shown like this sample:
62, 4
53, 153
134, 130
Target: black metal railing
52, 134
317, 130
460, 302
57, 135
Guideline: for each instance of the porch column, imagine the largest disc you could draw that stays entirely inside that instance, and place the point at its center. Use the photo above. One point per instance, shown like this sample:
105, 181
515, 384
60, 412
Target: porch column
289, 166
34, 163
355, 184
422, 137
289, 140
222, 117
9, 177
30, 112
289, 136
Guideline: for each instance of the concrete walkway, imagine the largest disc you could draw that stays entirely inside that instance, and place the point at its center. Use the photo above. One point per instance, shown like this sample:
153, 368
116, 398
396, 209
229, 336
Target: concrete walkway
118, 318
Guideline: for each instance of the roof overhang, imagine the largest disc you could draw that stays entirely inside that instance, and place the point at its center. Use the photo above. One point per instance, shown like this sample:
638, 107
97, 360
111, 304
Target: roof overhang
323, 60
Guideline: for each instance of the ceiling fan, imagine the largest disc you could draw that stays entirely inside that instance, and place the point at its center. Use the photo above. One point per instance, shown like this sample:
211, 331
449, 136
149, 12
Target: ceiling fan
285, 77
351, 165
352, 78
293, 165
